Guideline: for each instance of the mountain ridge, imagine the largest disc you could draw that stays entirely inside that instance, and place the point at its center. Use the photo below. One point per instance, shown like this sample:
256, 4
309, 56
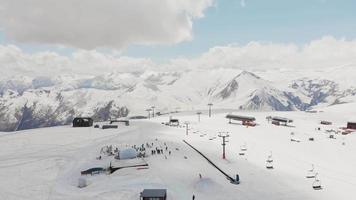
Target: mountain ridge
42, 101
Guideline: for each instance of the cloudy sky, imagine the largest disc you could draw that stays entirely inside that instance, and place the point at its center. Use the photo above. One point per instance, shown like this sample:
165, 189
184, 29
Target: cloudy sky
45, 37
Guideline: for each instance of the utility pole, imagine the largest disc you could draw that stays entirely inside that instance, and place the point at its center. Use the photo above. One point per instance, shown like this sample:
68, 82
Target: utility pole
199, 113
186, 127
224, 135
210, 104
153, 111
149, 113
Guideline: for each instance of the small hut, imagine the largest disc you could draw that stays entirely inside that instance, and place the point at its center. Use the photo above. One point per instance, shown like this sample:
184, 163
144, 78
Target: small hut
153, 194
82, 122
173, 122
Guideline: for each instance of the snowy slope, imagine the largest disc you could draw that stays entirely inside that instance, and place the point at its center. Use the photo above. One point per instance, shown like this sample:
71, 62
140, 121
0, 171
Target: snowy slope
47, 101
46, 163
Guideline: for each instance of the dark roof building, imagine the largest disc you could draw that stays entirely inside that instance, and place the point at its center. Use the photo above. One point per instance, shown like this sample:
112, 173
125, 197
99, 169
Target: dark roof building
154, 194
351, 125
282, 119
240, 118
173, 122
325, 122
82, 122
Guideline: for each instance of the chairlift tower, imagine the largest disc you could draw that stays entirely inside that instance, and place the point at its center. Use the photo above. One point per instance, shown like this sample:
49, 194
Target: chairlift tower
186, 127
149, 113
224, 135
199, 113
153, 111
210, 104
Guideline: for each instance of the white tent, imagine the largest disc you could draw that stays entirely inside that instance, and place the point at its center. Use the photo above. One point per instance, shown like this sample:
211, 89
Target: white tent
129, 153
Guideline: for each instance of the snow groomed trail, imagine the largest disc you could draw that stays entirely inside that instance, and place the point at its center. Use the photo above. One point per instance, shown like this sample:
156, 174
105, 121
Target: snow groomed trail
232, 180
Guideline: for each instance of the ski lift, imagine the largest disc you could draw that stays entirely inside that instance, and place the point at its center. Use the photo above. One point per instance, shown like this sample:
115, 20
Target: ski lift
269, 165
243, 149
269, 162
311, 173
317, 183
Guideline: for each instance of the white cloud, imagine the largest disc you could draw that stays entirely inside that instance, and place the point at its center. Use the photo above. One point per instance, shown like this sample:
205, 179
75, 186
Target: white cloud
90, 24
318, 54
321, 53
13, 61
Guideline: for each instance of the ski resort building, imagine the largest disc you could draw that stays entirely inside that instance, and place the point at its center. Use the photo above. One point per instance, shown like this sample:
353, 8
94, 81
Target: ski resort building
82, 122
281, 121
325, 122
153, 194
351, 125
173, 122
246, 120
127, 122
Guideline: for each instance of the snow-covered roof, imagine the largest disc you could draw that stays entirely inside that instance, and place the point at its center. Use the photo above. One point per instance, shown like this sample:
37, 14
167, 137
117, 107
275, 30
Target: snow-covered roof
129, 153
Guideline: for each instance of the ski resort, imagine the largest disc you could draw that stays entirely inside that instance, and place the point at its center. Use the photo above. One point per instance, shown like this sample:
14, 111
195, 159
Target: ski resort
177, 100
129, 162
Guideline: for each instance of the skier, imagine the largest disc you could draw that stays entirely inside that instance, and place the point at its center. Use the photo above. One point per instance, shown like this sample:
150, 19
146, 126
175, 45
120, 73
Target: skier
193, 197
200, 176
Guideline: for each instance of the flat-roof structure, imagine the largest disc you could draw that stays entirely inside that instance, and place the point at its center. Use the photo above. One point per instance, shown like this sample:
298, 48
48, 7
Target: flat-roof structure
127, 122
351, 125
282, 119
153, 194
240, 118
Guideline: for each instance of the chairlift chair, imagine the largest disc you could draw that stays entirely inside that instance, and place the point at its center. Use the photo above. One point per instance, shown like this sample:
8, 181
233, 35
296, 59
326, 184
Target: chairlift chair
269, 161
317, 185
311, 173
269, 165
243, 148
269, 158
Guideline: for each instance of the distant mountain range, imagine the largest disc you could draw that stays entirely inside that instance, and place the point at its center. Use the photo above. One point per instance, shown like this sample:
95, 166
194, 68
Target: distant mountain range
27, 102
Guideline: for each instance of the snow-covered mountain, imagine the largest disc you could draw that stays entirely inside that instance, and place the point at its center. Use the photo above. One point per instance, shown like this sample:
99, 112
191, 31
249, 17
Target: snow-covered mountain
27, 102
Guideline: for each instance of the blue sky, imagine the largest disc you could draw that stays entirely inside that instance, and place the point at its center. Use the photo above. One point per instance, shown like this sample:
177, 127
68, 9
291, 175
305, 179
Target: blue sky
228, 22
297, 21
